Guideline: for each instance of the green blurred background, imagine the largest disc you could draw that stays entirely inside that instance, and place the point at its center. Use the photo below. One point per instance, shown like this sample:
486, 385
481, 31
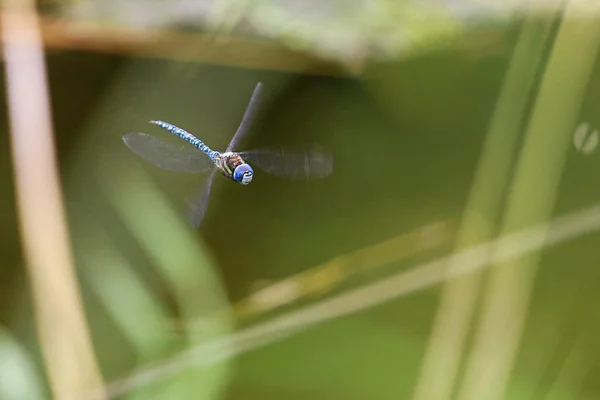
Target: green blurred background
407, 132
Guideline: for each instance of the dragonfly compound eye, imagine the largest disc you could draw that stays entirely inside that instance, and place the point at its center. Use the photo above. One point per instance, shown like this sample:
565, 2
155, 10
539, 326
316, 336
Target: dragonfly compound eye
243, 174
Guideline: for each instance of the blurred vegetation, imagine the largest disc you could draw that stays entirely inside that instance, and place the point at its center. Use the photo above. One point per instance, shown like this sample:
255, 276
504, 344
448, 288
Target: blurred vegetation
429, 90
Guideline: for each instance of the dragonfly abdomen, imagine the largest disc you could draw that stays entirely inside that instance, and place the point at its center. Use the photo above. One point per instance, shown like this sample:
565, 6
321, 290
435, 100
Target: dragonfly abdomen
185, 135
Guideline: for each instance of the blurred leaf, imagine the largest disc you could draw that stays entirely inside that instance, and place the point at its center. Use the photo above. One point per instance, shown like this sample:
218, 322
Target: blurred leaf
139, 315
19, 378
139, 254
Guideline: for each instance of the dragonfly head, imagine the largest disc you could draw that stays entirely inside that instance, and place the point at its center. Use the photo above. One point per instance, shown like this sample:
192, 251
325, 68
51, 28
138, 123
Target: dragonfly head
243, 174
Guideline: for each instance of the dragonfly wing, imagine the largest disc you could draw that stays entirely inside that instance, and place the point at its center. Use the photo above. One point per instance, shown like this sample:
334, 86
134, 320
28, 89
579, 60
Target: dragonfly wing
197, 203
307, 163
167, 156
248, 118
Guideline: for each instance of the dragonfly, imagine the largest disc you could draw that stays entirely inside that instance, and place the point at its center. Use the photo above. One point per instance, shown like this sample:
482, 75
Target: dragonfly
306, 162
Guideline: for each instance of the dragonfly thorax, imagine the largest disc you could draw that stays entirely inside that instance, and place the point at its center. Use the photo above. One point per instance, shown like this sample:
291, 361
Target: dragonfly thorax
233, 166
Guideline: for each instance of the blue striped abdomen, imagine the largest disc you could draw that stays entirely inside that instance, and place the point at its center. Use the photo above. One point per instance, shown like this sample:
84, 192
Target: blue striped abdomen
185, 135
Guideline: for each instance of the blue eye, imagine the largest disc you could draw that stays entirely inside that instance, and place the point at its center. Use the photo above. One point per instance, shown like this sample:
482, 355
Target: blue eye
243, 174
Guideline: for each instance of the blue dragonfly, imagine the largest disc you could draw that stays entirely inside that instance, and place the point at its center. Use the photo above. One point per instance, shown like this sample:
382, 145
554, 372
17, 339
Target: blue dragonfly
299, 163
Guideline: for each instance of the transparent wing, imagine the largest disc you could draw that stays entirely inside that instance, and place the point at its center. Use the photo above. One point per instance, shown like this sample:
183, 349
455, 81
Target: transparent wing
300, 163
248, 118
167, 156
197, 203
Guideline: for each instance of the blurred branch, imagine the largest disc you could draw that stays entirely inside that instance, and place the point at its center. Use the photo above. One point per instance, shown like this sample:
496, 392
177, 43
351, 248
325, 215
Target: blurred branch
219, 49
62, 331
333, 273
236, 51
